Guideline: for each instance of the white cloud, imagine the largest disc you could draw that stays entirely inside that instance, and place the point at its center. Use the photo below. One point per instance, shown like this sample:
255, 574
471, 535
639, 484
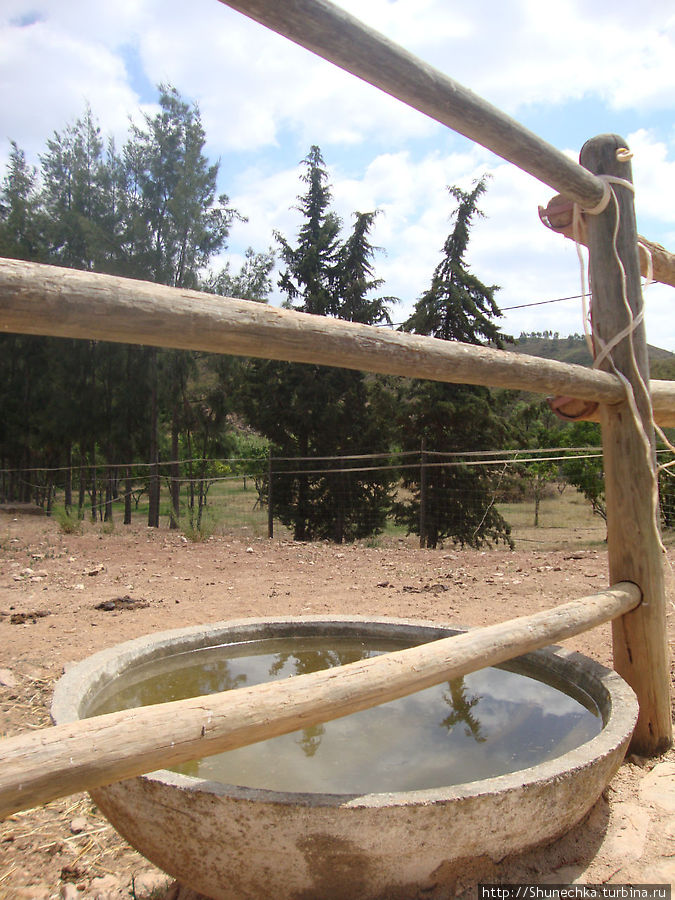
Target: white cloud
653, 168
46, 77
252, 84
266, 100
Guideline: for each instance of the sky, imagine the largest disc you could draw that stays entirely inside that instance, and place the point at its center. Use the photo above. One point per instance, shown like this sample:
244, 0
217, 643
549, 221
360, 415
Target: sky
567, 70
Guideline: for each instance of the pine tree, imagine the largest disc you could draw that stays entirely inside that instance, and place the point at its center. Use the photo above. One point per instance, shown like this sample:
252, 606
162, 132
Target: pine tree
310, 411
28, 424
458, 306
355, 277
176, 221
252, 282
73, 203
308, 280
445, 418
20, 236
175, 224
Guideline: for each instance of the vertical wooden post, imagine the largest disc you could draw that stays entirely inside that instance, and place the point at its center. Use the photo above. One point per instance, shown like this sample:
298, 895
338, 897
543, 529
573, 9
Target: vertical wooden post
423, 494
633, 534
270, 506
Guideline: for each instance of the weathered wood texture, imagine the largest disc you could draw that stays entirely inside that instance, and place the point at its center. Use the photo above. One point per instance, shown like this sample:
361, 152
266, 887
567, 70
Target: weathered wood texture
338, 37
634, 545
559, 214
54, 762
39, 299
663, 403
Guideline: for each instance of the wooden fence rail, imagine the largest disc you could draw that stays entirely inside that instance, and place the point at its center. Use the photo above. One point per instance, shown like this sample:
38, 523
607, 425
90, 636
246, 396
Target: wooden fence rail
40, 299
54, 762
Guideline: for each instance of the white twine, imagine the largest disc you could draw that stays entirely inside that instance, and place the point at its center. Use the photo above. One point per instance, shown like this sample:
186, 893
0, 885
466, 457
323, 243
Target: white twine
594, 340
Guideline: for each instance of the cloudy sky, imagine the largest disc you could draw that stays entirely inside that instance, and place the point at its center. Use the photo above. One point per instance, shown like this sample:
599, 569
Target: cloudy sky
567, 70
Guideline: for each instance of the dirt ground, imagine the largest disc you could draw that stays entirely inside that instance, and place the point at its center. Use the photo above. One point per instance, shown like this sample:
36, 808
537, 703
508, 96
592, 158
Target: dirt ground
50, 584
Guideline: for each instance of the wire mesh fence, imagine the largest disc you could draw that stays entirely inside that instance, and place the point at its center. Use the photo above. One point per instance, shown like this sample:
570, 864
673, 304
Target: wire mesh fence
539, 498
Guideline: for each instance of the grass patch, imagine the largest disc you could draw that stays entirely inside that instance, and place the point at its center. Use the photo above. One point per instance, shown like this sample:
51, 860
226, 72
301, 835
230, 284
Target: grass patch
565, 519
68, 520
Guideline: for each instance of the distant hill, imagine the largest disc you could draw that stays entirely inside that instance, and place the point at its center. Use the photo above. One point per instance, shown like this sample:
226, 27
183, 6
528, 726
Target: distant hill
573, 349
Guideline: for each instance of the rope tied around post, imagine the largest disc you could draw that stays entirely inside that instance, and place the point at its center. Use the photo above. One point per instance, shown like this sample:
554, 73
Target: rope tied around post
601, 350
623, 154
593, 340
561, 405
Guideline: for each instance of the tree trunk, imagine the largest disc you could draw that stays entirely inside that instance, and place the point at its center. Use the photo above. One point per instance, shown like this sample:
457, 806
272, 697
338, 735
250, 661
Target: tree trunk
423, 494
68, 487
109, 490
82, 489
93, 486
127, 497
153, 486
175, 472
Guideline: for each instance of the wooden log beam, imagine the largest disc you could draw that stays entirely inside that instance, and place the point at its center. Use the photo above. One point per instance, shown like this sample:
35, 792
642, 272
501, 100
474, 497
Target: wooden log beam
39, 299
89, 753
653, 257
338, 37
633, 539
663, 404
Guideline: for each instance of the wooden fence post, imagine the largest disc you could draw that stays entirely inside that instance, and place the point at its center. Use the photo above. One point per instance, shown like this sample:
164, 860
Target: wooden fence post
423, 494
633, 533
270, 507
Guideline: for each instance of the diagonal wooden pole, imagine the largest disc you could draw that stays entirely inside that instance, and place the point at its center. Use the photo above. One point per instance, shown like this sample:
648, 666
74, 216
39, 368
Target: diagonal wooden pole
332, 33
55, 762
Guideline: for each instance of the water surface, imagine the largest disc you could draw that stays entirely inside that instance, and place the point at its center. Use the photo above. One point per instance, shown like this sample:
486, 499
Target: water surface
488, 723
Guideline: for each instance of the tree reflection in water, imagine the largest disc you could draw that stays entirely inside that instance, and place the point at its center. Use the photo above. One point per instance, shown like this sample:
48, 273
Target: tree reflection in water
216, 677
313, 661
302, 663
209, 678
461, 710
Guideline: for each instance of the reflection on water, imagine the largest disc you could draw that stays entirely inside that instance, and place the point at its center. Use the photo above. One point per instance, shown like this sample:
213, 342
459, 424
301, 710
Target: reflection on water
489, 723
461, 706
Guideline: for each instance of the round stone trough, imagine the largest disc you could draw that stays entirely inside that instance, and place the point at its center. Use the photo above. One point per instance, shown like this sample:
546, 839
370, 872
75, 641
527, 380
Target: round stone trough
239, 843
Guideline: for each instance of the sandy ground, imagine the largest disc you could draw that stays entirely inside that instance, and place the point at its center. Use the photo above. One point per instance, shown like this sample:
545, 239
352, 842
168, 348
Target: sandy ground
50, 584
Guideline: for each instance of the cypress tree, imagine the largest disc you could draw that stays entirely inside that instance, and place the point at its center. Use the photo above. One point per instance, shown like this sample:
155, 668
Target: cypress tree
311, 411
446, 418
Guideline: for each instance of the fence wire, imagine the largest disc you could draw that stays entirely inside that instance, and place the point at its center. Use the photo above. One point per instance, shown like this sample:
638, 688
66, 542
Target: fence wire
385, 497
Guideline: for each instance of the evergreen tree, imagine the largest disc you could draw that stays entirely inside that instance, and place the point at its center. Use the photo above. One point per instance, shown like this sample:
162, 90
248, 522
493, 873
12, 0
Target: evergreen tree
73, 195
83, 209
151, 212
20, 236
27, 389
310, 411
176, 223
355, 277
458, 306
309, 279
252, 282
458, 499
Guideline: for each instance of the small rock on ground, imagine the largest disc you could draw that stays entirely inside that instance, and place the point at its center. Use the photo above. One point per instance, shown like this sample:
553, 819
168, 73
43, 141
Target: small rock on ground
148, 881
78, 825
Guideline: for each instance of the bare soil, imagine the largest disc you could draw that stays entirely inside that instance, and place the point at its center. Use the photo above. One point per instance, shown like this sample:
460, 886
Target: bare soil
66, 596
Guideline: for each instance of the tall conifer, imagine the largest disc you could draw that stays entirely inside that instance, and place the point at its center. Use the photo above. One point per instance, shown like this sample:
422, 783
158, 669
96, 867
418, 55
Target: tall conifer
311, 411
459, 500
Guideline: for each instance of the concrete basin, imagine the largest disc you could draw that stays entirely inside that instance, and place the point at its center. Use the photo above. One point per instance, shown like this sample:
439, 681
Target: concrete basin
238, 843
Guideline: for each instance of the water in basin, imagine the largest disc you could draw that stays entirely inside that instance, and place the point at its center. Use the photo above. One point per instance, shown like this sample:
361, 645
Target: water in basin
491, 722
